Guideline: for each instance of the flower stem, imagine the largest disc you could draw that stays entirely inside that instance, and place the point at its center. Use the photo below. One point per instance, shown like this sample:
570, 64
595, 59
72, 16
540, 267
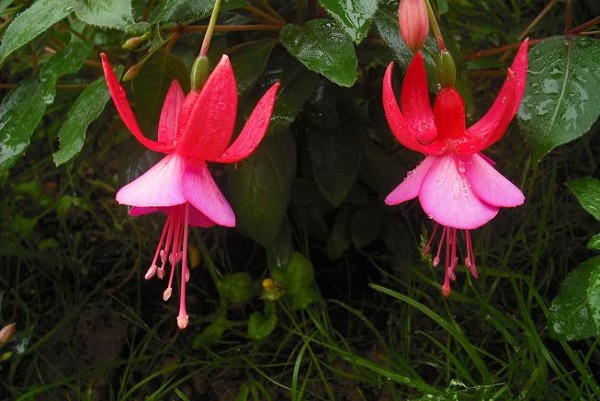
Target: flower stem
435, 27
210, 29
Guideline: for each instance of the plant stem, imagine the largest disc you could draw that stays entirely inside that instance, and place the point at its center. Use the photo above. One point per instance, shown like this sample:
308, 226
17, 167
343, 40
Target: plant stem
537, 19
435, 27
210, 30
585, 25
233, 28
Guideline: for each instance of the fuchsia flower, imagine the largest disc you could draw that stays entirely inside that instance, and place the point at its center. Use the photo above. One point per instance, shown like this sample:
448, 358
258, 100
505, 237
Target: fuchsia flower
192, 130
457, 186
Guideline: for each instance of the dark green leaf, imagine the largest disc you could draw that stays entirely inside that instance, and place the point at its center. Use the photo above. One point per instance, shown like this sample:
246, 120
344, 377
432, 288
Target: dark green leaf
575, 312
280, 250
114, 14
191, 10
20, 113
213, 333
260, 187
562, 99
298, 278
249, 62
335, 157
297, 85
324, 48
587, 192
86, 109
442, 6
365, 226
354, 16
151, 84
594, 242
68, 61
339, 241
259, 325
30, 23
237, 287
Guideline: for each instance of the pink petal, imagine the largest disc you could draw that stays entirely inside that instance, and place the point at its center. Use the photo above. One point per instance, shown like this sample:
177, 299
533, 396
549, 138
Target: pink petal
202, 192
410, 187
198, 219
122, 105
207, 119
159, 186
447, 197
491, 127
254, 130
489, 185
416, 106
167, 125
141, 211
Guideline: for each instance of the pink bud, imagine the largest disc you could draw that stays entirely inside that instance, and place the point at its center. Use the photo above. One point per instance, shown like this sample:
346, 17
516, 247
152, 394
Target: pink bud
414, 23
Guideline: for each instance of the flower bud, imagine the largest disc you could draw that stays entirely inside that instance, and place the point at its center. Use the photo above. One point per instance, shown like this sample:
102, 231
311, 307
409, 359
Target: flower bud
414, 23
6, 333
132, 72
446, 69
200, 72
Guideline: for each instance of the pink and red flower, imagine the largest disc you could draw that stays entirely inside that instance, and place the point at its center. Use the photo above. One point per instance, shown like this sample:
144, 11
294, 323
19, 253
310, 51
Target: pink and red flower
457, 186
193, 130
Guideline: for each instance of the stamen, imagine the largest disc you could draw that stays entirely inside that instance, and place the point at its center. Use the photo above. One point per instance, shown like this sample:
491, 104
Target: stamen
470, 259
154, 267
427, 248
436, 260
183, 318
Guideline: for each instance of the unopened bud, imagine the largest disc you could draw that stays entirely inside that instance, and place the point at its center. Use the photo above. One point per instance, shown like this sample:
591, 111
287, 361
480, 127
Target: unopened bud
446, 69
132, 72
200, 72
414, 23
132, 43
271, 290
6, 333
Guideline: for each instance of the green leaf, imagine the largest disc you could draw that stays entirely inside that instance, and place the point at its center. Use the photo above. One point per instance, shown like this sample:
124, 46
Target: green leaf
339, 241
87, 108
575, 312
30, 23
20, 113
335, 157
562, 99
114, 14
213, 333
322, 47
191, 10
297, 86
299, 280
260, 187
259, 325
442, 6
280, 250
354, 16
587, 192
594, 242
68, 61
249, 61
365, 226
151, 84
237, 287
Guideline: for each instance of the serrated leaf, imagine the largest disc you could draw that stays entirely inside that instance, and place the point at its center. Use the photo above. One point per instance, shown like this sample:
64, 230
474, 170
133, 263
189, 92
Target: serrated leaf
114, 14
297, 85
191, 10
151, 84
354, 16
322, 47
299, 280
87, 107
249, 61
335, 157
587, 192
260, 187
30, 23
562, 98
594, 242
259, 325
20, 113
68, 61
237, 287
575, 312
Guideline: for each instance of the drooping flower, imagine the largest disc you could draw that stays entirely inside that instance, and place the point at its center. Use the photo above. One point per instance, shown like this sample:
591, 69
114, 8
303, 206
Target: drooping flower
457, 186
192, 130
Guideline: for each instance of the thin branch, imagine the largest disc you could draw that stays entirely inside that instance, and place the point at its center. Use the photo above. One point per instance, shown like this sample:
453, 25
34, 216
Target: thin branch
585, 25
537, 19
498, 50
